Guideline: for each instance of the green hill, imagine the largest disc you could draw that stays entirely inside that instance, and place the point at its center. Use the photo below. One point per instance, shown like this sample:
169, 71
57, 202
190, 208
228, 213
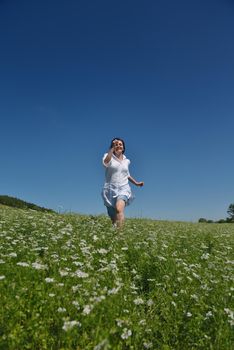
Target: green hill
19, 203
74, 282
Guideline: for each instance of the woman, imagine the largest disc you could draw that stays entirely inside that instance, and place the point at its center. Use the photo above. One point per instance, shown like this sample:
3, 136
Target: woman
116, 191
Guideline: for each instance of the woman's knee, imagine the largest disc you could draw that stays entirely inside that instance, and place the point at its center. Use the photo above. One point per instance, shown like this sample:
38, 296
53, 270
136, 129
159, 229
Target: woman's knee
120, 205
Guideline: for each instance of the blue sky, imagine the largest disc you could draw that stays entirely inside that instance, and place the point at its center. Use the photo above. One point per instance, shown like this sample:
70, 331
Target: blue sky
160, 74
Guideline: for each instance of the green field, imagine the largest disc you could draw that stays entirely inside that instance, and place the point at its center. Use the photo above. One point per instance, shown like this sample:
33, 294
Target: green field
74, 282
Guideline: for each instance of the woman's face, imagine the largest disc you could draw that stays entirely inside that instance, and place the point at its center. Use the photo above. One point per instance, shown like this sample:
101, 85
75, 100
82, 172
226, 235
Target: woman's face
118, 146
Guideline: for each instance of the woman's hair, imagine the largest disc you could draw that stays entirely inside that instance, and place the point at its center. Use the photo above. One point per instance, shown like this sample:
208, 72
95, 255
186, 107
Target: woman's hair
117, 138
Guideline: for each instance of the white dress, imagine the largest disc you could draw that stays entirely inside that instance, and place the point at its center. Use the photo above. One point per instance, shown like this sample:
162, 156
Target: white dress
116, 181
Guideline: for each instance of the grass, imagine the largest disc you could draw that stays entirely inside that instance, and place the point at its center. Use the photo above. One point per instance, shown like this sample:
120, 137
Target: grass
73, 282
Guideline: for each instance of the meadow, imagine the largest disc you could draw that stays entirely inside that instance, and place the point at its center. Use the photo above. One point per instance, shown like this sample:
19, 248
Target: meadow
73, 282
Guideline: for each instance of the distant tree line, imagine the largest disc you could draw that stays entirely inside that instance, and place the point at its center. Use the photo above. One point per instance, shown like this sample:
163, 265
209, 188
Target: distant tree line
229, 219
18, 203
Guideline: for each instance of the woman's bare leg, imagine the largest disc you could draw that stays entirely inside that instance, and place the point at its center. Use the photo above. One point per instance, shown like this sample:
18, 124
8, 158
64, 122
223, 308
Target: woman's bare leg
120, 205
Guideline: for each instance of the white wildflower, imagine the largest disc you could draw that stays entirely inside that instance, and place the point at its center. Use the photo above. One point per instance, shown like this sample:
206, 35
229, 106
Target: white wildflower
60, 284
150, 302
148, 345
113, 290
76, 304
124, 248
142, 322
209, 314
81, 274
162, 258
99, 299
61, 309
138, 301
51, 295
2, 261
12, 255
63, 273
2, 277
49, 280
75, 288
126, 311
102, 251
126, 333
133, 286
205, 256
120, 322
68, 325
39, 266
189, 314
112, 266
87, 309
23, 264
77, 263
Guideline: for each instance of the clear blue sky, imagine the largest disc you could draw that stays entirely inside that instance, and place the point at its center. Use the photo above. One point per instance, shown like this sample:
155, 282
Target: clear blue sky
160, 74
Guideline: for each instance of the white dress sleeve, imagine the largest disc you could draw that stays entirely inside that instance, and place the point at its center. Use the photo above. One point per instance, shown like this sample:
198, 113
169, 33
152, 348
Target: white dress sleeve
106, 165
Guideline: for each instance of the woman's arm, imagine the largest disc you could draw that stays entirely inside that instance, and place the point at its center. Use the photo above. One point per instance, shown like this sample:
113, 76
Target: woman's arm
108, 156
132, 180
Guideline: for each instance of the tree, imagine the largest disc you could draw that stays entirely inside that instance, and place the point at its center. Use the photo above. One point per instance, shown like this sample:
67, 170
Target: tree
202, 220
230, 211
